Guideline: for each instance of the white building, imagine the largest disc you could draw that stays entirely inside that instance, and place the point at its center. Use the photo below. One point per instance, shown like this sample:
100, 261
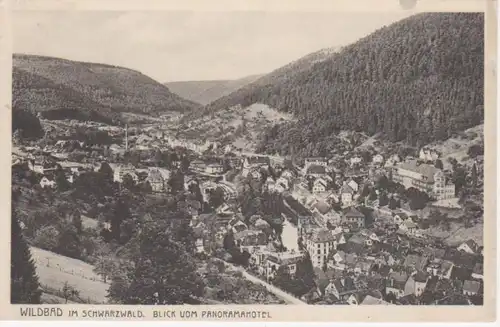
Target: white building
346, 195
427, 154
214, 168
276, 260
425, 178
319, 243
121, 171
316, 161
46, 182
378, 159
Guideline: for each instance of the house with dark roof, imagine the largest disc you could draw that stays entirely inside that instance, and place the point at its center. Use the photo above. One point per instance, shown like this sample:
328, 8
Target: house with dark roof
416, 262
279, 259
156, 180
305, 224
341, 288
425, 178
477, 272
471, 287
461, 259
409, 299
470, 246
354, 218
440, 268
316, 161
346, 195
461, 273
316, 171
396, 284
408, 227
246, 238
417, 282
257, 161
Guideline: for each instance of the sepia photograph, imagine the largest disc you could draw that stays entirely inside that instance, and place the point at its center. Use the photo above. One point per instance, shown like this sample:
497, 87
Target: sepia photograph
248, 158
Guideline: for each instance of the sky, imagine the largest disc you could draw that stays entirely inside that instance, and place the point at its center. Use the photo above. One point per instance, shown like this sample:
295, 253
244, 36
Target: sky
187, 45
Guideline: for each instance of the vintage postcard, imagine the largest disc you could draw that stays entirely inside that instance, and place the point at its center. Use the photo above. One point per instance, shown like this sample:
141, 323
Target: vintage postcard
249, 160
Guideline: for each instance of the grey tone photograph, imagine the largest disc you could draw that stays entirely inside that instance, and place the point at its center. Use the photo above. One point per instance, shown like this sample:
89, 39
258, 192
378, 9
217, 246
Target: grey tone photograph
223, 158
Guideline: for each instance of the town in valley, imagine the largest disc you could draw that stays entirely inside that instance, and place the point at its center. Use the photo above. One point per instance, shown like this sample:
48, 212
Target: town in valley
244, 205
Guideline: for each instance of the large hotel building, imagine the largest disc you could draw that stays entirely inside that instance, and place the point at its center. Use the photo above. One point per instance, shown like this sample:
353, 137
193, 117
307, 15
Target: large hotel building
425, 178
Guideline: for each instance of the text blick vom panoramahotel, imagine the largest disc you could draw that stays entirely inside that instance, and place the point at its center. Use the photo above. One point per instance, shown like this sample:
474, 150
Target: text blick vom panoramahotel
146, 314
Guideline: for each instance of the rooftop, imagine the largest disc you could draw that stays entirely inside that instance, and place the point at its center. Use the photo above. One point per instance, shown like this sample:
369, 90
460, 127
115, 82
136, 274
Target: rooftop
258, 160
425, 170
370, 300
315, 159
322, 207
322, 236
471, 286
346, 189
285, 258
353, 213
316, 169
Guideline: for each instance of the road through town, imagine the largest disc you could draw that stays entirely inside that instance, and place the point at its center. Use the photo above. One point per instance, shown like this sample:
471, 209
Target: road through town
288, 298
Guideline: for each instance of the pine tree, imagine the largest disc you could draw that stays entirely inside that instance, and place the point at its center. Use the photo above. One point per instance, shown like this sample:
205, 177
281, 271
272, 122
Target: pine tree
23, 277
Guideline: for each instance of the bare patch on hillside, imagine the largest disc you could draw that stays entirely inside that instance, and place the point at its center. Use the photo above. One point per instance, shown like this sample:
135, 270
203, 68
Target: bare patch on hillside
240, 127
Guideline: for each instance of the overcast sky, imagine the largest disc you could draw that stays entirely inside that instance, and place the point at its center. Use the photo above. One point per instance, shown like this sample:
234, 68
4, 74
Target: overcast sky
176, 46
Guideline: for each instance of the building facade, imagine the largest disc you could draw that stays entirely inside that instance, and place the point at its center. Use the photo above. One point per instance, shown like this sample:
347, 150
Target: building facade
319, 243
425, 178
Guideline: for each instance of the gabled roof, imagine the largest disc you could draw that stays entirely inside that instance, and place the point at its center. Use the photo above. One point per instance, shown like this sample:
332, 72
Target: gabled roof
424, 169
322, 207
478, 269
344, 285
445, 266
316, 169
471, 286
461, 273
353, 213
285, 258
316, 159
346, 189
370, 300
397, 280
321, 181
409, 299
357, 238
258, 160
322, 235
415, 261
409, 224
420, 277
472, 245
155, 176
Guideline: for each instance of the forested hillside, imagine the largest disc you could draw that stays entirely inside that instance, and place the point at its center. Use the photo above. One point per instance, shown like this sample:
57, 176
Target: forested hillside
61, 88
417, 80
276, 77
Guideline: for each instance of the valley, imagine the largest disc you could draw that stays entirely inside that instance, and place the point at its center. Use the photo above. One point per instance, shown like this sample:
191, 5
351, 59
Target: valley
352, 173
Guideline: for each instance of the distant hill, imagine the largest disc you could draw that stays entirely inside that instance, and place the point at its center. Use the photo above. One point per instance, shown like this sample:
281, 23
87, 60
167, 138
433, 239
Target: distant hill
204, 92
60, 89
275, 77
417, 80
